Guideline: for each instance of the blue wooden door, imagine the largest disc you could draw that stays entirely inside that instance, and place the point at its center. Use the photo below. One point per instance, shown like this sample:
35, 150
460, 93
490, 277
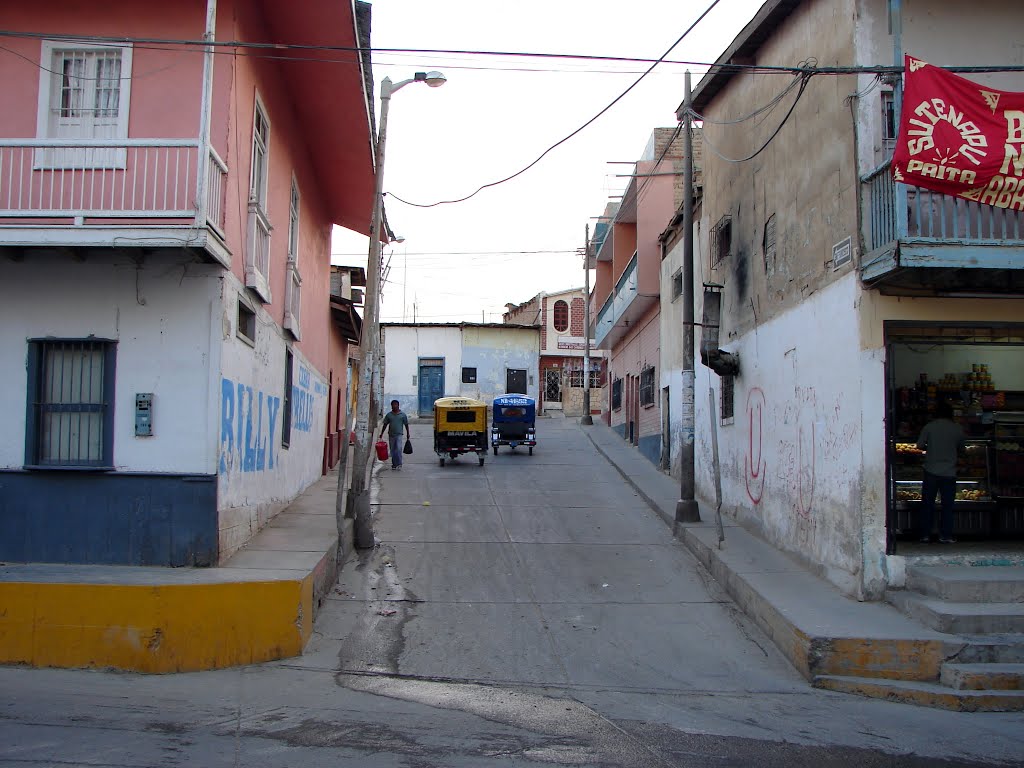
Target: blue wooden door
431, 387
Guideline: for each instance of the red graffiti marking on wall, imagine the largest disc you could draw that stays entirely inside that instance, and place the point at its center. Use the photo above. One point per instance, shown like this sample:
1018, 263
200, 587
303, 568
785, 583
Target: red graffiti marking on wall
804, 507
753, 463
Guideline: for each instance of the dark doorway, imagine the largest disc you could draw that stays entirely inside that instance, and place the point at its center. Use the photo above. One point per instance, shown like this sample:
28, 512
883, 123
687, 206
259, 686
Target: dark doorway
515, 381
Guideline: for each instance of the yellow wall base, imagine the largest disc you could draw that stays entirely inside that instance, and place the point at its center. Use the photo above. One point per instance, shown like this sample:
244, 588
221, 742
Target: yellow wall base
154, 628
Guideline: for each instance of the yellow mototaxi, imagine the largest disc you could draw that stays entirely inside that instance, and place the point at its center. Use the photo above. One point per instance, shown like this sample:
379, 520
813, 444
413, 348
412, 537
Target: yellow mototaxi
460, 426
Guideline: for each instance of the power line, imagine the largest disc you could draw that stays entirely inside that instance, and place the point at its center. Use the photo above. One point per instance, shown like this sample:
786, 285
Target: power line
710, 66
613, 102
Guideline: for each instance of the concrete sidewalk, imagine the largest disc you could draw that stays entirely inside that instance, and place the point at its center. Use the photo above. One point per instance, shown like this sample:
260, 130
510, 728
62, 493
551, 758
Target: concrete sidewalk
836, 642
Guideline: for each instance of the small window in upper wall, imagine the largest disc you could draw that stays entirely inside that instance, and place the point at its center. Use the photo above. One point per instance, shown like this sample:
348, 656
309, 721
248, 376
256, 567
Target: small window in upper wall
245, 326
647, 386
769, 243
469, 375
727, 404
677, 284
721, 240
890, 130
561, 316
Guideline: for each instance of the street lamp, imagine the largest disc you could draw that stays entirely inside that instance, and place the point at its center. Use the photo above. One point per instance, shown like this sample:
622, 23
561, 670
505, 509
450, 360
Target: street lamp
369, 339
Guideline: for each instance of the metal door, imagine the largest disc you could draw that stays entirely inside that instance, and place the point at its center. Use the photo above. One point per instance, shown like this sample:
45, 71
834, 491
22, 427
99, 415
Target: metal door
431, 387
515, 381
552, 386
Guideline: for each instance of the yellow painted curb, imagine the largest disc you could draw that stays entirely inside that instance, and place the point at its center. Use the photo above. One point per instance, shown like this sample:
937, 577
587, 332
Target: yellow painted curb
154, 628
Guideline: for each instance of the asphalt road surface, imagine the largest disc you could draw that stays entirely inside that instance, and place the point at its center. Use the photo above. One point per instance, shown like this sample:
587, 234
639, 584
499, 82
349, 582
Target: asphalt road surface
530, 612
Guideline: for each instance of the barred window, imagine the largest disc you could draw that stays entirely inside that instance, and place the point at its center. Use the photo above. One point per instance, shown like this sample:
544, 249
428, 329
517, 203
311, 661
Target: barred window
677, 284
721, 240
561, 316
617, 393
70, 417
647, 386
576, 378
727, 404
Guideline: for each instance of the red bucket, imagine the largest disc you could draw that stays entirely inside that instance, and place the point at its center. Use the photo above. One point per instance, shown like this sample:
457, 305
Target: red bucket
382, 450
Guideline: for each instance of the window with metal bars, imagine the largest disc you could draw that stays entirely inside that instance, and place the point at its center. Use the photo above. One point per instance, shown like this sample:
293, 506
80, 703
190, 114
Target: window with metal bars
721, 241
70, 415
647, 386
617, 393
728, 399
561, 316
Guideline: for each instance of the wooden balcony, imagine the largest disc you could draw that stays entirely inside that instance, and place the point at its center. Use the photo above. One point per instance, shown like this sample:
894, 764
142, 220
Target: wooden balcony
923, 243
143, 193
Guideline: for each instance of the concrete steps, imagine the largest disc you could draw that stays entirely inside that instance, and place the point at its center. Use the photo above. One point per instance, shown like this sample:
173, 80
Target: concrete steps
981, 609
925, 694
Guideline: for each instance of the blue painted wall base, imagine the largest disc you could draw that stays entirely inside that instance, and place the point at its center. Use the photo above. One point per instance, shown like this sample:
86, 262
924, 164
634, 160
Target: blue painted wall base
108, 518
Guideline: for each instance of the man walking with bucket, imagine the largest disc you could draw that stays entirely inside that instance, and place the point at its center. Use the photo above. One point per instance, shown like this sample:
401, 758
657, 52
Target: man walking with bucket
394, 421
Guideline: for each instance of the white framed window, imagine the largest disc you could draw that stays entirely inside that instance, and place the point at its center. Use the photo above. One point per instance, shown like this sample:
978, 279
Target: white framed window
257, 252
293, 289
293, 301
890, 129
293, 224
260, 155
84, 94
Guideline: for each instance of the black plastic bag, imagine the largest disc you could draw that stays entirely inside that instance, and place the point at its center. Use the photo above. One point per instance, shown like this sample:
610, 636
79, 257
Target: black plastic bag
408, 446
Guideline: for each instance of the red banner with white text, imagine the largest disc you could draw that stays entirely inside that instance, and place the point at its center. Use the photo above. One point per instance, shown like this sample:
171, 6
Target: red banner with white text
960, 138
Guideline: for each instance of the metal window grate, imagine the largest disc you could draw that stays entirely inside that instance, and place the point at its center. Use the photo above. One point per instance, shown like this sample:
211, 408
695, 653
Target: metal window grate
561, 316
647, 386
71, 404
617, 393
677, 284
728, 399
721, 240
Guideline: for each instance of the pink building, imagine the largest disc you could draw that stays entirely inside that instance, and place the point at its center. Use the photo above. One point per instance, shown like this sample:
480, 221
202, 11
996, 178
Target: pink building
626, 297
561, 316
165, 213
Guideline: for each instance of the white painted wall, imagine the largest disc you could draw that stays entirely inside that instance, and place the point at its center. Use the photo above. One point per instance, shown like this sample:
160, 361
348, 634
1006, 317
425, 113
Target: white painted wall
160, 312
791, 460
492, 351
404, 346
257, 475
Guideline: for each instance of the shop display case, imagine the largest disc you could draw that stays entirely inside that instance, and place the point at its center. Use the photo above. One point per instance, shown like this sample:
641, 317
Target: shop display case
974, 499
1008, 469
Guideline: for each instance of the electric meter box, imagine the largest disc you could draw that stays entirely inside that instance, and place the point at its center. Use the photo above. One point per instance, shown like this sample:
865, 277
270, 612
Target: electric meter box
143, 414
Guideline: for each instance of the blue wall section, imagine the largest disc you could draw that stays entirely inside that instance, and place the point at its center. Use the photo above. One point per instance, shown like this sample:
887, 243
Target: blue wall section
108, 518
650, 447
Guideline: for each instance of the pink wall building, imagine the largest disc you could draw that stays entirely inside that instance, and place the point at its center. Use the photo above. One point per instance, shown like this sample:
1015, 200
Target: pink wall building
626, 298
167, 212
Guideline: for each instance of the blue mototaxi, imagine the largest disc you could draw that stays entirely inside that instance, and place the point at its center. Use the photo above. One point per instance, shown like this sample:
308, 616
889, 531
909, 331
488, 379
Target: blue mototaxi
513, 421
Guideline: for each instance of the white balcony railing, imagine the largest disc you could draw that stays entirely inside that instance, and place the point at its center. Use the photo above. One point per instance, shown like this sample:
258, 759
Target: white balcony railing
102, 179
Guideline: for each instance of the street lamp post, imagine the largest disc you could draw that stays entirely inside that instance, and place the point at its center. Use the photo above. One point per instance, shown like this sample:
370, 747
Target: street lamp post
369, 339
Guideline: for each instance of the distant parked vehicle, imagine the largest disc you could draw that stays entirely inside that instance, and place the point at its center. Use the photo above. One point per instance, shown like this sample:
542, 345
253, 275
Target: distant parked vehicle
460, 426
513, 422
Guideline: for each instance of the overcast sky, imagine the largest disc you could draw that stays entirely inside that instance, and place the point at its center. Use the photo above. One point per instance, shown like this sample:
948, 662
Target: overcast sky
495, 116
